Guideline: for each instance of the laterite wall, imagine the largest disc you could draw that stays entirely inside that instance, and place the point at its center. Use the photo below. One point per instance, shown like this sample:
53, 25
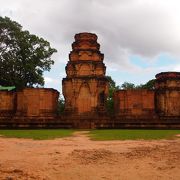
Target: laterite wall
29, 102
37, 102
7, 103
168, 94
134, 103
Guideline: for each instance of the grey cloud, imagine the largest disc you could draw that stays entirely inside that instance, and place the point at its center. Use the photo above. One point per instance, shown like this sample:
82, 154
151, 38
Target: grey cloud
126, 27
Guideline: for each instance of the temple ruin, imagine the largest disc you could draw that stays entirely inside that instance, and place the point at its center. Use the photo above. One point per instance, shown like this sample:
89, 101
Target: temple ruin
168, 94
85, 90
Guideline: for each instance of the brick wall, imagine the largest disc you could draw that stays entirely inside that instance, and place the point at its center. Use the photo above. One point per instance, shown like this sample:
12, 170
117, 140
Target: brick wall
29, 102
168, 93
134, 102
7, 103
37, 102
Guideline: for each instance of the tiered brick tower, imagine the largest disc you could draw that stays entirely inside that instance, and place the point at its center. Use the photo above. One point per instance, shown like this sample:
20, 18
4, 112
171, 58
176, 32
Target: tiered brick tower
85, 88
168, 94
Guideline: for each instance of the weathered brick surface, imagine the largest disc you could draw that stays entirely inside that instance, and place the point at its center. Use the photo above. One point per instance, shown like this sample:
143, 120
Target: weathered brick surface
85, 88
7, 103
163, 102
29, 102
134, 103
37, 102
168, 94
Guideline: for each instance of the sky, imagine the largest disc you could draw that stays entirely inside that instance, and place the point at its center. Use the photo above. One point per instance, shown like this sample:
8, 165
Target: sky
139, 38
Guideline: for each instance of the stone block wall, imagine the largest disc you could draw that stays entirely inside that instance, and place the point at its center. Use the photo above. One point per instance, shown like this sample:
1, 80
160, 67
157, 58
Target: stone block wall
29, 102
134, 103
162, 102
7, 103
37, 102
168, 94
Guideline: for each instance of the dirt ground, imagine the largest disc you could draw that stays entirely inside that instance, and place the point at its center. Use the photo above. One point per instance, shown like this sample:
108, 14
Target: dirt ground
79, 158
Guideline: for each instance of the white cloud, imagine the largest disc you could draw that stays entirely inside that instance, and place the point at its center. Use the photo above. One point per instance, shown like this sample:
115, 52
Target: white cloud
177, 68
146, 28
52, 82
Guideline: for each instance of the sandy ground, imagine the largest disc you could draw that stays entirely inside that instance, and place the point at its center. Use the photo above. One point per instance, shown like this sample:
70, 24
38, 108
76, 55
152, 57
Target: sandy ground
79, 158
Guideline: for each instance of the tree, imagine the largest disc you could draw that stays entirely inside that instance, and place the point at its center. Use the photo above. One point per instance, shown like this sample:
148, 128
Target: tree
112, 83
149, 85
127, 85
112, 89
23, 56
61, 105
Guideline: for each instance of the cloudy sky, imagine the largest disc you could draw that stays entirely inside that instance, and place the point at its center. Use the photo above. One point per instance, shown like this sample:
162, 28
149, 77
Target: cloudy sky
139, 38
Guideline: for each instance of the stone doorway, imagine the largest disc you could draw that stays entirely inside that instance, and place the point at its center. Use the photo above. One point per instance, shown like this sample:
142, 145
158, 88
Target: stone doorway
84, 100
101, 99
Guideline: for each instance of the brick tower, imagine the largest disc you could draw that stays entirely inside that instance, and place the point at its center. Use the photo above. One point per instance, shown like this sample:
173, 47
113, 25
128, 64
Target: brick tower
168, 94
85, 87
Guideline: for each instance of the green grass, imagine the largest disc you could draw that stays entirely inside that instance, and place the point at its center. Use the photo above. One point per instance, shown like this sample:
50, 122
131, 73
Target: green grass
132, 134
115, 134
41, 134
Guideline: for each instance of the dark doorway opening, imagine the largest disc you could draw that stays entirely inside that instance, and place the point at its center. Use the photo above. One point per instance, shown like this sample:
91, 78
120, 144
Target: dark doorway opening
101, 98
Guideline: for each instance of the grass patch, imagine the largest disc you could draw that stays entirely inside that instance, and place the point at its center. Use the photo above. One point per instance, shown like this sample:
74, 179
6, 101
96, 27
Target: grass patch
119, 134
41, 134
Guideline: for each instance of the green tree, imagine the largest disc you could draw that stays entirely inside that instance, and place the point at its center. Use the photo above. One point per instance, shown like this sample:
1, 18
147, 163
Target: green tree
127, 85
61, 105
23, 56
149, 85
112, 89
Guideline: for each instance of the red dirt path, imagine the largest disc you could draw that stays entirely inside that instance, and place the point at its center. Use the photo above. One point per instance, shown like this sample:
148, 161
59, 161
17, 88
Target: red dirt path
78, 158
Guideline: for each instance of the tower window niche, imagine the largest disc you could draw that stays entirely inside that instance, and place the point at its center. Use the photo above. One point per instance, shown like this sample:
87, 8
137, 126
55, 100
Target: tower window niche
102, 98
